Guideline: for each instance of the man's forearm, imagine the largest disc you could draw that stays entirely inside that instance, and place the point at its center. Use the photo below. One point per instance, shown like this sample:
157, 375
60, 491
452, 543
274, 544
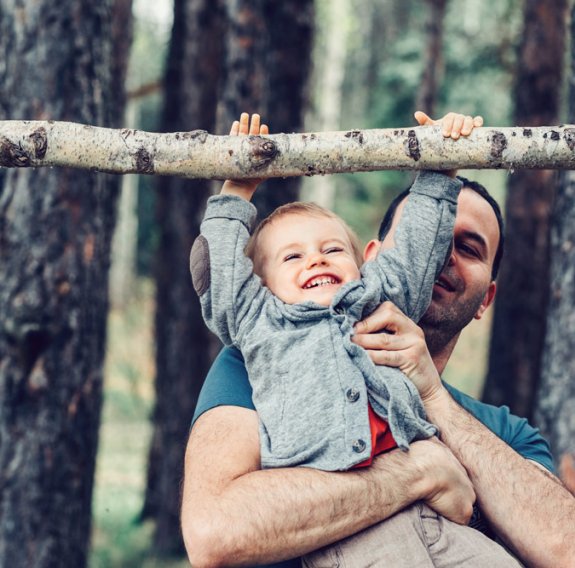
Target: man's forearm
235, 514
528, 507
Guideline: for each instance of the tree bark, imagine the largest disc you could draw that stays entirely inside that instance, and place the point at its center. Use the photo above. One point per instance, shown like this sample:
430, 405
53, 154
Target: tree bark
182, 354
268, 59
55, 232
520, 310
555, 407
433, 63
198, 154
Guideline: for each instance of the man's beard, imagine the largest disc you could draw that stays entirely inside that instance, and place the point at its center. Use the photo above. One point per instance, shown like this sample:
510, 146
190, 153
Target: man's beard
441, 323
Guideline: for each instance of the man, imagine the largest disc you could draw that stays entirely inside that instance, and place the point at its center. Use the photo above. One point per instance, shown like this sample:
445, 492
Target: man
234, 513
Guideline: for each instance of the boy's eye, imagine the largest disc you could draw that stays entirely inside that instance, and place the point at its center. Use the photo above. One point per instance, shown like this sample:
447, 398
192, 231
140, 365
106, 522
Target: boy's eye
291, 256
332, 250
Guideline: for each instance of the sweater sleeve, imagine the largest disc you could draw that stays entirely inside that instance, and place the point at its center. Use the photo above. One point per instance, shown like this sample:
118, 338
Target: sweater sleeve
230, 293
405, 273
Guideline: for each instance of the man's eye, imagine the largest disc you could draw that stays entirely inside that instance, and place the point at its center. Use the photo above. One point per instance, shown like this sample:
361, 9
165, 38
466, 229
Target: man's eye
467, 249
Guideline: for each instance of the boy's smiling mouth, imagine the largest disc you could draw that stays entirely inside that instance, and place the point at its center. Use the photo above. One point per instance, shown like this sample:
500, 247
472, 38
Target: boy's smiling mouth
320, 280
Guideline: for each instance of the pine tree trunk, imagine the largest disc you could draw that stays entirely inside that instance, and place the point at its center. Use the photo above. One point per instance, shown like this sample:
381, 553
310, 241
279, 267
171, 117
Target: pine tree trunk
555, 407
182, 356
433, 64
520, 310
55, 232
268, 62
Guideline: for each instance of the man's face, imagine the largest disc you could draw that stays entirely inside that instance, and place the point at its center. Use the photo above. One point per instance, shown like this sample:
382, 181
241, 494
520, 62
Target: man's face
464, 290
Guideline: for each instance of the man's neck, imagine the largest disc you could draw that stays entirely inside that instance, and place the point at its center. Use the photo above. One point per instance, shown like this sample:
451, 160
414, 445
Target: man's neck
442, 354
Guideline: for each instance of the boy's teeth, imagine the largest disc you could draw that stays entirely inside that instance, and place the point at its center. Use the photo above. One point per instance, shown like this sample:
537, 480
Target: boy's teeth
320, 282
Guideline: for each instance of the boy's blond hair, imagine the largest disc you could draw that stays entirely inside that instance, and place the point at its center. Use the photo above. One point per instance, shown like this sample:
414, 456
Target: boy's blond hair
299, 208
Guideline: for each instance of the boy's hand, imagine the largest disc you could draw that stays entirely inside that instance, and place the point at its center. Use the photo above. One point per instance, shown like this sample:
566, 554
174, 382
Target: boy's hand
453, 124
245, 187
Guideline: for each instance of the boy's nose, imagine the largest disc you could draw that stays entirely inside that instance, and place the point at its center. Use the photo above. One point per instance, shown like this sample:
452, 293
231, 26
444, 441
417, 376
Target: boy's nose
315, 259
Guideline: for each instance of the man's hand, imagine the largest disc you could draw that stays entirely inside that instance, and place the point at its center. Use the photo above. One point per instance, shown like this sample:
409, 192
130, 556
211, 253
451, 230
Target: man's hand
448, 489
245, 187
391, 338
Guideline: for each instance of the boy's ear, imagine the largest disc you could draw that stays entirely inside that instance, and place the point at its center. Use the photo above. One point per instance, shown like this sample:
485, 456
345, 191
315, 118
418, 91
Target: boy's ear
371, 249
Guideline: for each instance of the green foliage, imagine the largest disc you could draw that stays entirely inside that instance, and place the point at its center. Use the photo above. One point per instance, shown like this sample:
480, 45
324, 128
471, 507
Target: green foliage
383, 72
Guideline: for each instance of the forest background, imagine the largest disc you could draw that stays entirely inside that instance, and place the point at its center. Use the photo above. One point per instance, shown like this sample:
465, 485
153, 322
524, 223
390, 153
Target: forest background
305, 65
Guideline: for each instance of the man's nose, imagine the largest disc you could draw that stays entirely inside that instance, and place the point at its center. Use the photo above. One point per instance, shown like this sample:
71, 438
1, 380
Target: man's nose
451, 257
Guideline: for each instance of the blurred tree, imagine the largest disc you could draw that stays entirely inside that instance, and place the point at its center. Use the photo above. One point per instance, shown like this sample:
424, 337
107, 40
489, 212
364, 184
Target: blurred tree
555, 406
520, 309
433, 62
61, 60
268, 60
182, 354
332, 31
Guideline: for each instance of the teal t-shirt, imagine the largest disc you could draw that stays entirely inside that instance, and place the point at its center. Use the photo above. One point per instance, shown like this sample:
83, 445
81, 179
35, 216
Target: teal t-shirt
227, 384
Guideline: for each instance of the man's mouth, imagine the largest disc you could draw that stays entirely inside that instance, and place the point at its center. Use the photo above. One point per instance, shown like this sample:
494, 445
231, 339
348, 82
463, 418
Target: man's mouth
322, 280
444, 283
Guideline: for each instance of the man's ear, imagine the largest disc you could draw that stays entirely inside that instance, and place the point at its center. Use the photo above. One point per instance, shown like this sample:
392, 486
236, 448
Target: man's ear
371, 249
487, 300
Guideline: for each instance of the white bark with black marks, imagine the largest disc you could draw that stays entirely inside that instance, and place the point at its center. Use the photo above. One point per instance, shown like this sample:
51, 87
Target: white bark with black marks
197, 154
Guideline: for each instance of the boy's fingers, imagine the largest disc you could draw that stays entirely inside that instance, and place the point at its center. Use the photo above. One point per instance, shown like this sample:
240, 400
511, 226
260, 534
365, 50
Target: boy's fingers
244, 123
235, 128
467, 126
457, 126
422, 118
255, 125
447, 124
264, 129
478, 121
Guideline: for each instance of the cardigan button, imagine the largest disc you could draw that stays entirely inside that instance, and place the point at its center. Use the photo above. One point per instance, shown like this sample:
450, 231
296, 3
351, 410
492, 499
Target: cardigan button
358, 446
352, 395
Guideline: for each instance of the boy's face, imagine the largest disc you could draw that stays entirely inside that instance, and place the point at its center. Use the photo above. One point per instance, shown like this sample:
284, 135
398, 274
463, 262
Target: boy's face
306, 258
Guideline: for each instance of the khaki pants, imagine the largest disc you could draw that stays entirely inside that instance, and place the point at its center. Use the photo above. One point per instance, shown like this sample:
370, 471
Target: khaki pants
414, 538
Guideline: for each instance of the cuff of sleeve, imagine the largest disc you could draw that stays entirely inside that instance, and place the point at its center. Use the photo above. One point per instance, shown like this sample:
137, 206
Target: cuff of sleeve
437, 185
231, 207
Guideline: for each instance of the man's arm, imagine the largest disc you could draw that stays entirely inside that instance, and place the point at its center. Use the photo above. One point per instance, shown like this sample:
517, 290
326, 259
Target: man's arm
528, 507
233, 513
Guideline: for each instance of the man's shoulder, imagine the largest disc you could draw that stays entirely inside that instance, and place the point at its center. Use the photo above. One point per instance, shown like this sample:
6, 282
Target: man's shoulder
513, 430
226, 384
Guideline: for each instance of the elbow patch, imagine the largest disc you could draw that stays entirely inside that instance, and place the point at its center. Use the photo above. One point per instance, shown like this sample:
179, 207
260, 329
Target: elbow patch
200, 265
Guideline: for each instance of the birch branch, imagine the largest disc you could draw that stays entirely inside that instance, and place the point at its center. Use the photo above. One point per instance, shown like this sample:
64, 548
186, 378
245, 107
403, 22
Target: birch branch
197, 154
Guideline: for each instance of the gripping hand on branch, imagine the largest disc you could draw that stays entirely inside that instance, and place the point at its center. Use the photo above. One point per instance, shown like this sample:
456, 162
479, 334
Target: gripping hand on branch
453, 125
245, 188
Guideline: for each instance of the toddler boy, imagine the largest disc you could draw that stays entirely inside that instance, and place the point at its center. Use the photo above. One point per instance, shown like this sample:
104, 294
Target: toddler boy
321, 402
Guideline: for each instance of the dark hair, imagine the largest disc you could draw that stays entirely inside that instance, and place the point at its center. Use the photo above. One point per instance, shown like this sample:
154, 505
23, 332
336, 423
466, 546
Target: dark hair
474, 186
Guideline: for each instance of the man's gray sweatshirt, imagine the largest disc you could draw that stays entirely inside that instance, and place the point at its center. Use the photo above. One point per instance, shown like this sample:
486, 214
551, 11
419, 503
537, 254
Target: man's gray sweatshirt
311, 383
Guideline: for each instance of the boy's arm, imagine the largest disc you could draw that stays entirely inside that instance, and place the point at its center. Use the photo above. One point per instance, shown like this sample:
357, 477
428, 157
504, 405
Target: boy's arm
425, 231
245, 188
222, 275
406, 272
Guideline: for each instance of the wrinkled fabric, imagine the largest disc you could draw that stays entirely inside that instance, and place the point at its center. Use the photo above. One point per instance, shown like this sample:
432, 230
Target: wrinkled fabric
300, 358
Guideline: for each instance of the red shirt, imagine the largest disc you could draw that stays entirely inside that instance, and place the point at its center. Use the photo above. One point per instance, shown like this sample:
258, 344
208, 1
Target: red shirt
381, 438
